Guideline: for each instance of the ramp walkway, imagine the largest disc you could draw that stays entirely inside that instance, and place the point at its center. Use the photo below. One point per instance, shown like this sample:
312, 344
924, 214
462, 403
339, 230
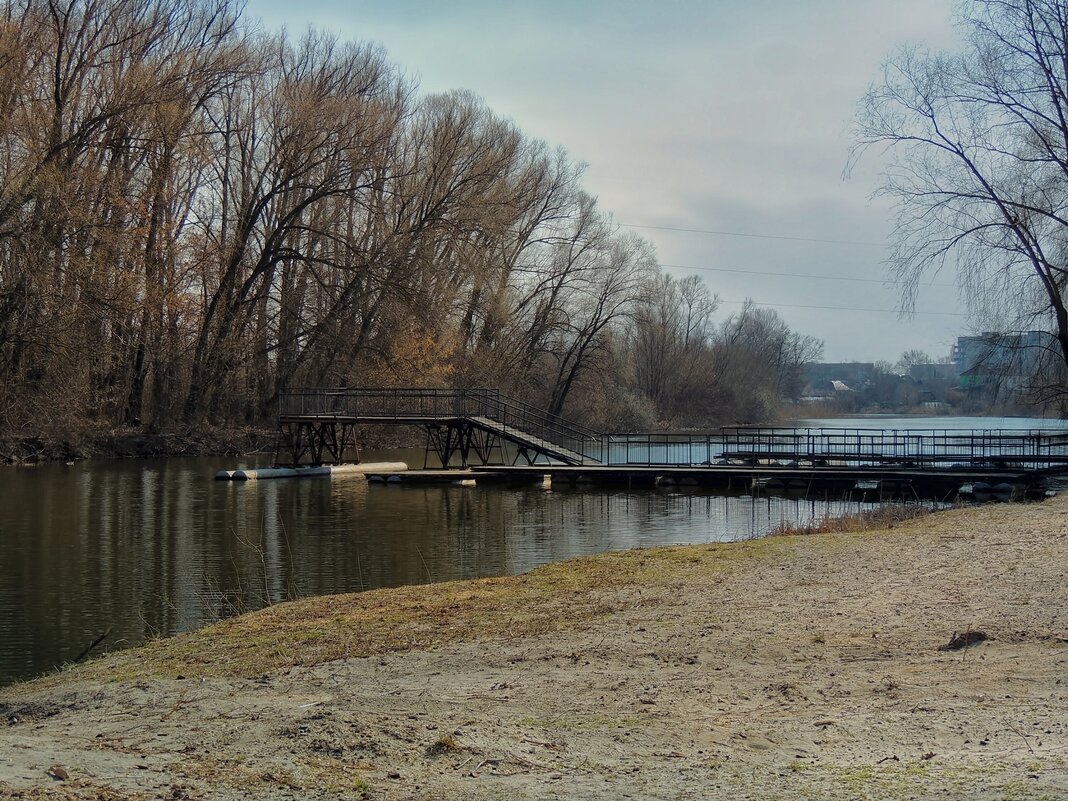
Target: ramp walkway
318, 425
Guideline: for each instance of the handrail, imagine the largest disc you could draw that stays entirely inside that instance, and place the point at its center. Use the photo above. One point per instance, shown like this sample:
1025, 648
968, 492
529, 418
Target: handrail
572, 440
422, 403
921, 445
527, 411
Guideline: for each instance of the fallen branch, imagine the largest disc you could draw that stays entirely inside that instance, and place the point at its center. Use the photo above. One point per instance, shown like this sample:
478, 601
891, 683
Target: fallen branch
93, 645
1022, 736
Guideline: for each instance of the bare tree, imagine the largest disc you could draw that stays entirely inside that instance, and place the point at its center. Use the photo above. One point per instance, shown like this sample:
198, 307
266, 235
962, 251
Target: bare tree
196, 214
607, 294
293, 144
83, 83
760, 362
911, 358
670, 350
978, 142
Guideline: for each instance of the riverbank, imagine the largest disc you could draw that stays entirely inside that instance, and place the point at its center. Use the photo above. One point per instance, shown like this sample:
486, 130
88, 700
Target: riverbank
790, 666
118, 443
112, 443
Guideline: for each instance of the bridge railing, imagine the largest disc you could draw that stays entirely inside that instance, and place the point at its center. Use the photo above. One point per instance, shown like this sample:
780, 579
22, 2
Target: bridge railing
922, 446
420, 404
524, 417
391, 404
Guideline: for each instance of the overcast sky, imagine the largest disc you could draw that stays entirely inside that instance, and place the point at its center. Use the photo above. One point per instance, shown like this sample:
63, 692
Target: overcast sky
714, 115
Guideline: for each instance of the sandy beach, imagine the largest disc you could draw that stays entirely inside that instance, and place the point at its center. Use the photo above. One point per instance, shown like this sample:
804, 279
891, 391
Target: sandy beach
786, 667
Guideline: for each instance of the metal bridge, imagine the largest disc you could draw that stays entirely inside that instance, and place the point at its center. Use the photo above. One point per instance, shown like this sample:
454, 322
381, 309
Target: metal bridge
319, 426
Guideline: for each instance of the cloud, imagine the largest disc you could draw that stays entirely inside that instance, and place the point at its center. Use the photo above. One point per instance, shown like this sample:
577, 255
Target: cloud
697, 114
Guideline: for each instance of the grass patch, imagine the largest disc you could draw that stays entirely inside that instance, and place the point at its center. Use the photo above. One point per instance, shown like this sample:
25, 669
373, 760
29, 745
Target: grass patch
565, 595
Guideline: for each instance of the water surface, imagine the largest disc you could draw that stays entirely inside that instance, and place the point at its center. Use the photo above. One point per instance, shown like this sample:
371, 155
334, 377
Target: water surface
155, 547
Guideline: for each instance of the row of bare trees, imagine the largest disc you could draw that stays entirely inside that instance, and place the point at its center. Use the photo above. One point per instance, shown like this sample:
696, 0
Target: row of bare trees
196, 214
696, 372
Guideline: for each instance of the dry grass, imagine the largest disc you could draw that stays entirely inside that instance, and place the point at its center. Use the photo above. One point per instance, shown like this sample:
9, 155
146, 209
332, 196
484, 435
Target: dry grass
563, 596
882, 517
312, 631
445, 744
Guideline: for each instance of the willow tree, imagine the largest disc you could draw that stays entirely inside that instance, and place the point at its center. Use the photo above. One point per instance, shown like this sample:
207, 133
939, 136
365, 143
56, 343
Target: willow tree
978, 147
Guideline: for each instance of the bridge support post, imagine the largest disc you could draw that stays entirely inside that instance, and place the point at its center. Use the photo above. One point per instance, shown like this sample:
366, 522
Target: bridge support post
307, 441
460, 437
484, 444
444, 441
529, 455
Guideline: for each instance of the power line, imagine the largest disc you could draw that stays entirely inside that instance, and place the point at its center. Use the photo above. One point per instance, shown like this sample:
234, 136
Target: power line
793, 275
755, 236
842, 308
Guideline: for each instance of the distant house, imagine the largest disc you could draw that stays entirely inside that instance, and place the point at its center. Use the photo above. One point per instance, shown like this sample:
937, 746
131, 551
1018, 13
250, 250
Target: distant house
829, 378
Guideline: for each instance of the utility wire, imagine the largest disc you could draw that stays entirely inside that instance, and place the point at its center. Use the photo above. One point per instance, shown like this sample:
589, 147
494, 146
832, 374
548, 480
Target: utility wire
793, 275
755, 236
841, 308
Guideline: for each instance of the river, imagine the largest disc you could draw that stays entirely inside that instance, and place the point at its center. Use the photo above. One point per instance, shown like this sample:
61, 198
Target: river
146, 548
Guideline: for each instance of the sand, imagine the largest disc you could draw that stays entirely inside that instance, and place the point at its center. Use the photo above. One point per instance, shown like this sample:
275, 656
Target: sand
787, 667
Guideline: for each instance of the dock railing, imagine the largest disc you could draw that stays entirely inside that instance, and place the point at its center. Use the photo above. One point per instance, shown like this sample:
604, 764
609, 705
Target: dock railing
920, 447
1032, 448
675, 448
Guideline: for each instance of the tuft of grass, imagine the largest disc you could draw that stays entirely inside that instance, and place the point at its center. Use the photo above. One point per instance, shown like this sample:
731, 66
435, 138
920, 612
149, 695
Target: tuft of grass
445, 744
